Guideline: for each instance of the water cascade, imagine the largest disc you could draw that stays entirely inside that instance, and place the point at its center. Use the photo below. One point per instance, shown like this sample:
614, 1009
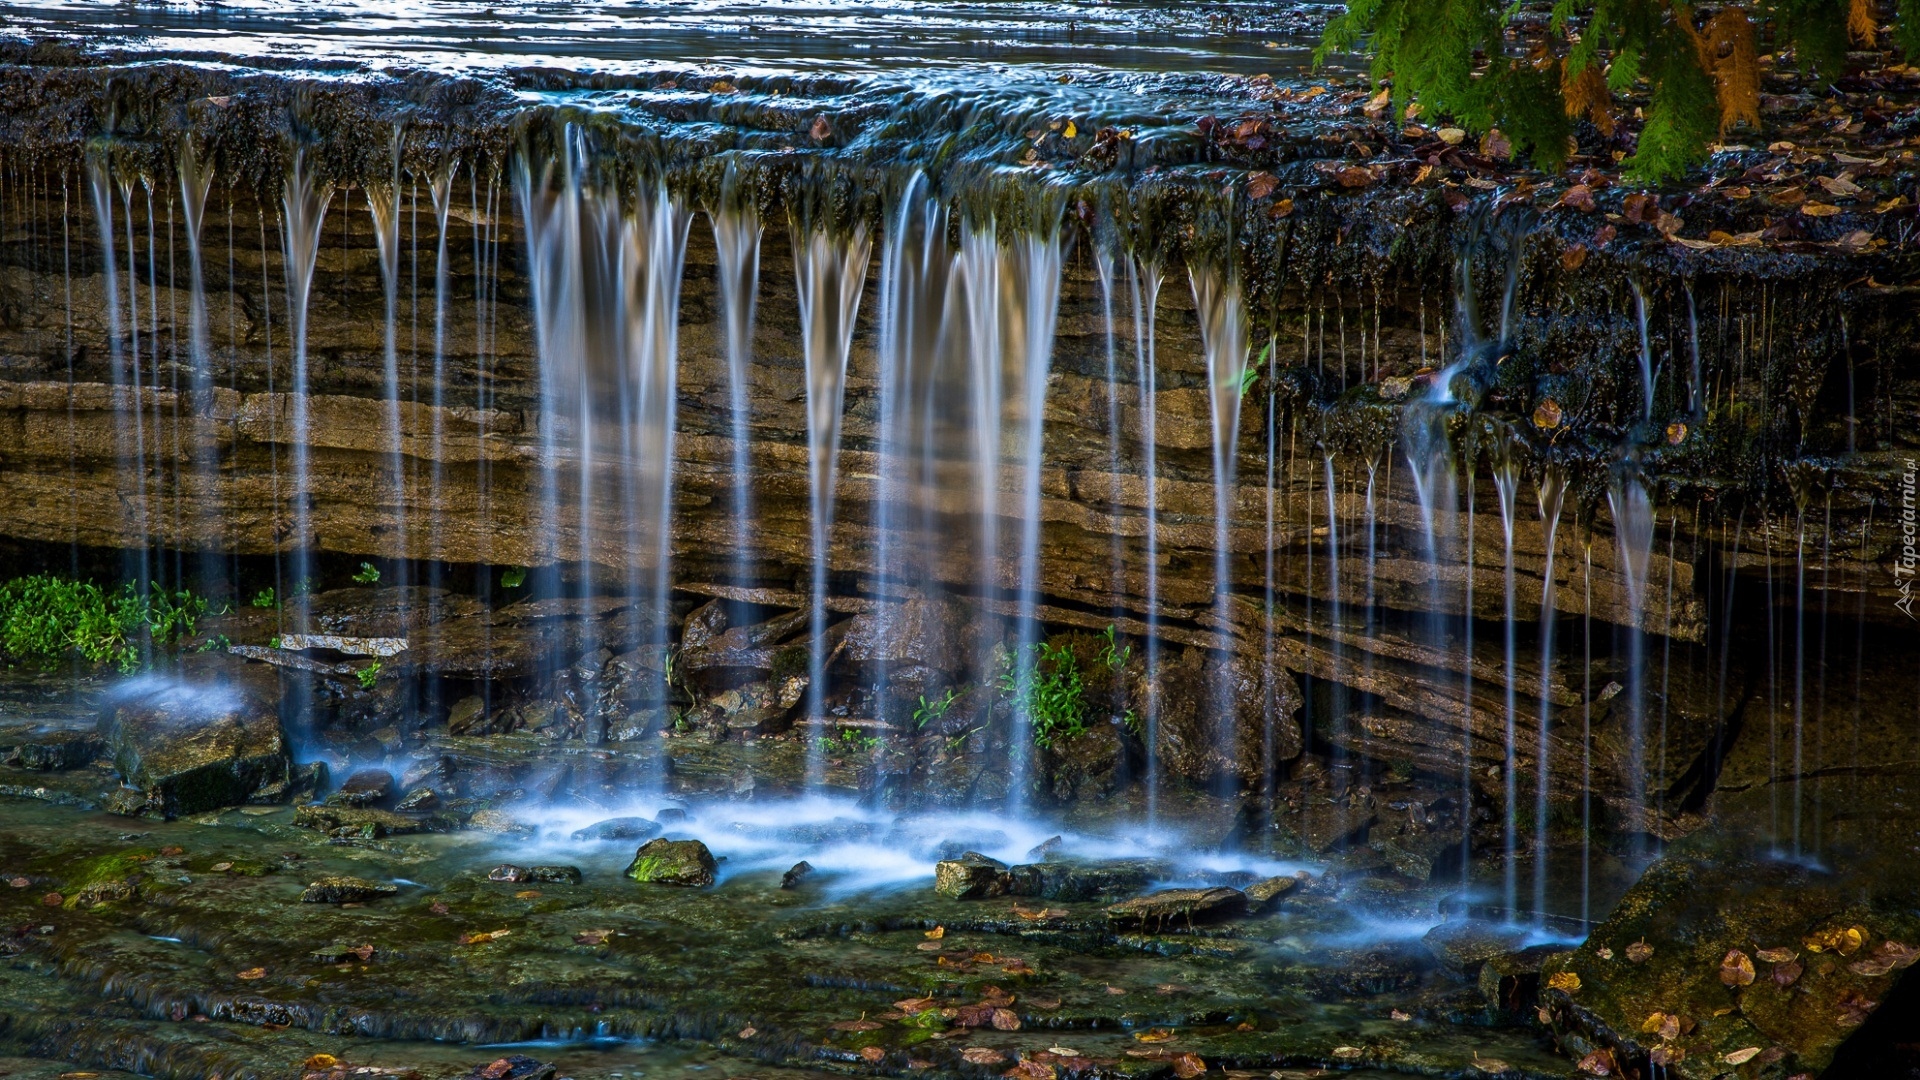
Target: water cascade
947, 645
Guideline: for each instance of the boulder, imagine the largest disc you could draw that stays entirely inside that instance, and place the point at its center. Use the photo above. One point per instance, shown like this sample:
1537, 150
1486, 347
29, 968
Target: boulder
364, 824
1089, 765
1061, 880
1177, 907
1463, 946
972, 876
792, 878
1262, 894
498, 821
368, 787
206, 738
620, 828
554, 874
516, 1067
56, 750
673, 862
346, 890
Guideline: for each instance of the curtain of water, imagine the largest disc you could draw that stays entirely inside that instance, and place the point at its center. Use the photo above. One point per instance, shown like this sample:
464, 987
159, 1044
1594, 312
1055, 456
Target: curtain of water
736, 240
440, 190
128, 451
1223, 338
1551, 495
1506, 480
831, 271
196, 180
304, 200
383, 203
1144, 278
605, 279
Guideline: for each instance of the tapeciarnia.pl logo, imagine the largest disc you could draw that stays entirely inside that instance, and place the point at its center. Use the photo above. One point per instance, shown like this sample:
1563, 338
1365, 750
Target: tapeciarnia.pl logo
1904, 566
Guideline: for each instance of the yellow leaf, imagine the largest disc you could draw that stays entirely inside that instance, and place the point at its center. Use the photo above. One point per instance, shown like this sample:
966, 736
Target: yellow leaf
936, 933
1153, 1035
1741, 1057
321, 1061
253, 973
1564, 981
1547, 415
1736, 969
1070, 130
1814, 209
1727, 51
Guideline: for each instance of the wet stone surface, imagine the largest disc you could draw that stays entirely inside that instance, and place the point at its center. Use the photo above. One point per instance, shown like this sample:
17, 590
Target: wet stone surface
205, 961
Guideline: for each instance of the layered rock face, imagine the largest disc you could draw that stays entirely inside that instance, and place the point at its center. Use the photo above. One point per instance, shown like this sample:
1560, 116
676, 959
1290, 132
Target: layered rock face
1359, 511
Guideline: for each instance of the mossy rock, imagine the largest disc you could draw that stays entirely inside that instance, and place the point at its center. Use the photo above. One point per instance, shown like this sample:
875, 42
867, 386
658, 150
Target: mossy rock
346, 890
206, 741
673, 862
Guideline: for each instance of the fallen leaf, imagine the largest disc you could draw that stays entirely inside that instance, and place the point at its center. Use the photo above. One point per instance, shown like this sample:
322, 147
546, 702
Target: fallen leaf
1736, 969
1574, 257
592, 937
862, 1024
482, 937
1188, 1066
1598, 1063
1353, 176
1676, 433
1452, 136
1492, 1066
438, 907
1403, 1017
1776, 956
321, 1061
1496, 145
1666, 1055
497, 1070
527, 894
222, 867
1641, 208
19, 882
1115, 990
1578, 197
912, 1006
52, 899
981, 1055
1153, 1035
930, 946
1280, 208
1006, 1020
1854, 1010
1261, 184
1348, 1053
873, 1054
1741, 1057
1063, 1051
1031, 1070
1639, 951
1070, 131
723, 87
1839, 186
1546, 417
172, 850
1564, 981
1376, 106
1814, 209
748, 1033
252, 973
1787, 974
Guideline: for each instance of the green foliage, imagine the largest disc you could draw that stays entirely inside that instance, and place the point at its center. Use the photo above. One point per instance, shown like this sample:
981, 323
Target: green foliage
368, 675
368, 574
930, 712
848, 740
1052, 694
1113, 655
513, 577
1459, 60
44, 618
265, 599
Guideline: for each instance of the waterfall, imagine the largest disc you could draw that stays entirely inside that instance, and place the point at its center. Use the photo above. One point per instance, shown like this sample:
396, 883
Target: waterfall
383, 203
1551, 495
736, 240
304, 200
440, 190
128, 450
1633, 533
1506, 480
1223, 337
196, 180
1143, 281
831, 271
605, 279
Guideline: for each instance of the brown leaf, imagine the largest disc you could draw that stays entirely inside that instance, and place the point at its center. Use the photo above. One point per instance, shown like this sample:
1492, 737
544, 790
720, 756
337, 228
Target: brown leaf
1261, 184
1736, 969
1006, 1020
1115, 990
1496, 145
172, 850
19, 882
481, 937
1578, 197
1785, 975
497, 1069
1727, 50
52, 899
1564, 981
1154, 1035
1353, 176
221, 867
1639, 952
1376, 106
873, 1054
981, 1055
1031, 1070
592, 937
1546, 417
1188, 1066
1665, 1056
1280, 208
914, 1006
1598, 1063
1676, 433
1854, 1010
1044, 1004
862, 1024
1574, 257
1839, 186
1641, 208
321, 1061
1775, 956
251, 973
1814, 209
1604, 235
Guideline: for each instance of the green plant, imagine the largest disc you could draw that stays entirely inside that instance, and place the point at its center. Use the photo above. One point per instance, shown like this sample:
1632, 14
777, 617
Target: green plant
1252, 374
513, 577
218, 642
265, 599
1701, 67
1050, 694
44, 617
368, 675
932, 712
1131, 721
848, 739
1113, 655
368, 574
